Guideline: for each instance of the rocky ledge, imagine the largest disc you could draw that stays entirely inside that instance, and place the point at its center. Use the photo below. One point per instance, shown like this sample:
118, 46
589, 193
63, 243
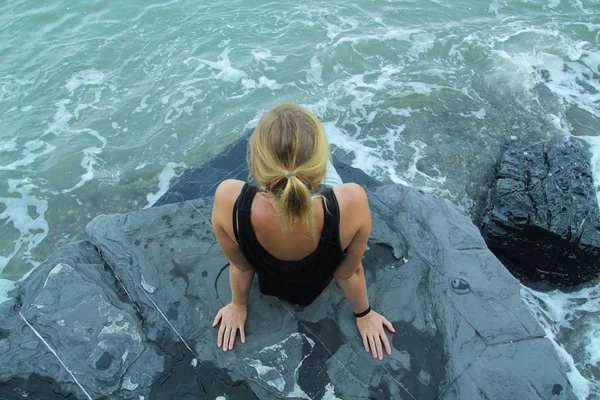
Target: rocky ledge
542, 216
127, 314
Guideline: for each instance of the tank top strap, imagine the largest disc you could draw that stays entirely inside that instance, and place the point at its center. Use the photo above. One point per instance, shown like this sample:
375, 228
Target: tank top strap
331, 223
242, 207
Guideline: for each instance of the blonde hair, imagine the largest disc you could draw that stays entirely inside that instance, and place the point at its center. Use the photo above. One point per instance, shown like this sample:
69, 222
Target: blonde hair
288, 154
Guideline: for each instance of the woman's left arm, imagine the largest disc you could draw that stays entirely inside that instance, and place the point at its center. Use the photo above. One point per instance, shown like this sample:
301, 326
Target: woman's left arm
350, 277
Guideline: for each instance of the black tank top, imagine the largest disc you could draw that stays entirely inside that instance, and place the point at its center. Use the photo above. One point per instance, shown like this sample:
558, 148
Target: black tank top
300, 281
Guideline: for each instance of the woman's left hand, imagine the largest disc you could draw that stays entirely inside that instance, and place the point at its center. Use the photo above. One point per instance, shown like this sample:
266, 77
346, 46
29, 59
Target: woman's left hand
371, 330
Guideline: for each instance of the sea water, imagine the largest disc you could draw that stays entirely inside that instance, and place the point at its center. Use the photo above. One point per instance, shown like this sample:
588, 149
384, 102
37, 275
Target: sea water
102, 104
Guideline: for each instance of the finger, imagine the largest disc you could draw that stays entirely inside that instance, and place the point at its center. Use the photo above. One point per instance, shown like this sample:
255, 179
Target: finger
220, 335
232, 338
243, 335
365, 342
388, 325
372, 346
379, 349
217, 319
386, 343
226, 338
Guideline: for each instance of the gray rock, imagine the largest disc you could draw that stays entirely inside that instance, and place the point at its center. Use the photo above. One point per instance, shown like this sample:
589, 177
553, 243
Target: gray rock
542, 214
457, 311
71, 327
130, 316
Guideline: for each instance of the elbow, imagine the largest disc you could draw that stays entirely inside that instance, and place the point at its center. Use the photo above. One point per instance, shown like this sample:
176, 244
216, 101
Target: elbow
344, 276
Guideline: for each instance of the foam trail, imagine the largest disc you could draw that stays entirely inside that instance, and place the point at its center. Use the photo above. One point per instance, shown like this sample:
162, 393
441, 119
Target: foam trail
33, 150
226, 73
60, 123
89, 161
164, 179
550, 310
32, 228
84, 78
366, 158
8, 145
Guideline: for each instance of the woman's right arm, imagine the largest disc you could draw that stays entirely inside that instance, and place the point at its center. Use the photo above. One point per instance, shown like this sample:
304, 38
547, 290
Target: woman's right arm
232, 317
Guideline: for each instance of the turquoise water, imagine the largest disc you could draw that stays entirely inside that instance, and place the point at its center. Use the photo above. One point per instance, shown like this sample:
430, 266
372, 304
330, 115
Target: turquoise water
102, 104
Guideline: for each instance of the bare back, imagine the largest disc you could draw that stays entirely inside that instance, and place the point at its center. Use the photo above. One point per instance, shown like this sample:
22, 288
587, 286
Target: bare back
296, 243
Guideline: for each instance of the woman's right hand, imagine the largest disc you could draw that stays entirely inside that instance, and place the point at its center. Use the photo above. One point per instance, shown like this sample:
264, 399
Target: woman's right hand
373, 335
232, 318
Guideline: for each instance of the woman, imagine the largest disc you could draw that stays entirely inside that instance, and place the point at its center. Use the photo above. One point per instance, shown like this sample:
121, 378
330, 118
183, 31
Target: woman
294, 234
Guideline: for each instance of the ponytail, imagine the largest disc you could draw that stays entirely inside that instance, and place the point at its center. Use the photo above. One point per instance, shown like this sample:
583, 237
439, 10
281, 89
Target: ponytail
295, 204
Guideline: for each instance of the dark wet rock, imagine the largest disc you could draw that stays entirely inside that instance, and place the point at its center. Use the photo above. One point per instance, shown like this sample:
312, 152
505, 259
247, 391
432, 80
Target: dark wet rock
153, 280
542, 215
199, 182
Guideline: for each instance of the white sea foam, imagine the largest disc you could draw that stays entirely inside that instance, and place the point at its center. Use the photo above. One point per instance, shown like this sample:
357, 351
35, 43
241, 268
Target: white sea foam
164, 179
387, 34
329, 393
177, 110
226, 72
5, 285
90, 161
413, 171
7, 146
83, 106
26, 213
421, 43
84, 78
479, 114
260, 54
143, 105
33, 149
60, 123
553, 3
594, 142
188, 95
254, 121
366, 158
565, 66
263, 81
557, 310
402, 112
566, 81
381, 161
315, 72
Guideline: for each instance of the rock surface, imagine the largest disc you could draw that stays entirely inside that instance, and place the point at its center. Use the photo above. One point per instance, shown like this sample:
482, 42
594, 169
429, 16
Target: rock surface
542, 219
130, 316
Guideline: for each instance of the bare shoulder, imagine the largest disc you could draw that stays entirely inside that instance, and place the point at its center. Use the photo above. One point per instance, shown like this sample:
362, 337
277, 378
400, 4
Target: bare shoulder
355, 216
225, 196
228, 191
351, 196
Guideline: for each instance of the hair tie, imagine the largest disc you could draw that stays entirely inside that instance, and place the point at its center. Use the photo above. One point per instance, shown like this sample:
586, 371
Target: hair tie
289, 174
